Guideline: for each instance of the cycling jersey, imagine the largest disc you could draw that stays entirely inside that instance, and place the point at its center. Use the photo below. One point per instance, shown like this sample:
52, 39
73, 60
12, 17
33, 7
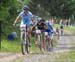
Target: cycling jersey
49, 29
40, 26
26, 19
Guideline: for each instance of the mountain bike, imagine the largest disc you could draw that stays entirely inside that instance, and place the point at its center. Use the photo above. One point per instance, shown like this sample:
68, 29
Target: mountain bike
39, 40
24, 39
48, 42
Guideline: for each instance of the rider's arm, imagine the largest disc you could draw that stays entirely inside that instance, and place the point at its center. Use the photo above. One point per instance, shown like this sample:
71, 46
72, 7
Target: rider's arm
34, 23
17, 19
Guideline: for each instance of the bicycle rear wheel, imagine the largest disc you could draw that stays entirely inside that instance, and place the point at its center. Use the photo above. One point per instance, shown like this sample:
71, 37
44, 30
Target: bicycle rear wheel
23, 49
26, 47
24, 44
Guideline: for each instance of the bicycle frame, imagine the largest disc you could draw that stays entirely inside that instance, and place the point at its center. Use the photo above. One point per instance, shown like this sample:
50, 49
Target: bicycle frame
24, 40
39, 40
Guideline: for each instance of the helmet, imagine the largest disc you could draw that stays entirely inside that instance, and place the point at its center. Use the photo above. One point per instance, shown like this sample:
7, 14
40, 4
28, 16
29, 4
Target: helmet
39, 18
42, 20
25, 7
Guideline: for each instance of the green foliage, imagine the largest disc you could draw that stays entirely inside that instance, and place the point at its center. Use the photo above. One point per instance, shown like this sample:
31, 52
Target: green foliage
8, 12
5, 6
59, 8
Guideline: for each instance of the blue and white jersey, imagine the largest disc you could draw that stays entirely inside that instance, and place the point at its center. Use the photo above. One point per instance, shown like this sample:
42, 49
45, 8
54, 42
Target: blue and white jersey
26, 19
50, 28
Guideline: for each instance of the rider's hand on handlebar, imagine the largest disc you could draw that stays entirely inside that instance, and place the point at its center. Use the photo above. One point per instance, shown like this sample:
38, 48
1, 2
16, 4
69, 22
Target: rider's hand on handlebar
14, 24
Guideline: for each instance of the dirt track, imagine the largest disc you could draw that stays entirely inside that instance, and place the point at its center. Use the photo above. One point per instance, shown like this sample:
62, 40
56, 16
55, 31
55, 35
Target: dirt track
65, 43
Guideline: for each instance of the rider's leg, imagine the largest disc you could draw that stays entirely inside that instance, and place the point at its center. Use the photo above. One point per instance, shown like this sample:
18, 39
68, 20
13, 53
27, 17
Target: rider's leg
36, 37
52, 40
29, 35
49, 41
43, 41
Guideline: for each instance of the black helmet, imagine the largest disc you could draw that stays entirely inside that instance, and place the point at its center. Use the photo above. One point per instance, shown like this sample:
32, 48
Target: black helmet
25, 7
42, 20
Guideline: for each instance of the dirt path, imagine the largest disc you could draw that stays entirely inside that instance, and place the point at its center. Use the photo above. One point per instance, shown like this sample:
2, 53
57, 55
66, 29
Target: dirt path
9, 56
65, 43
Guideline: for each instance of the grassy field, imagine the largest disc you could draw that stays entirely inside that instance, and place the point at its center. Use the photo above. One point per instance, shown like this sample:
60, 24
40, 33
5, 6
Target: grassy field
10, 46
71, 29
14, 45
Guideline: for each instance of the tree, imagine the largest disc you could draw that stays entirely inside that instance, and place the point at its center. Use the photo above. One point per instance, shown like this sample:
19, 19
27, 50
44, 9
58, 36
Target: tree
7, 7
8, 12
59, 8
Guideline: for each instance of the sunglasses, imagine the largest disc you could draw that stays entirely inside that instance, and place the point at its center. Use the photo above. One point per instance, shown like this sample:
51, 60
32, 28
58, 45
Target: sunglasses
25, 9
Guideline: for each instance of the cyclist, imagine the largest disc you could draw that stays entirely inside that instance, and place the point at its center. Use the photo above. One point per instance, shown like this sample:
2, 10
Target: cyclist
61, 26
40, 27
26, 18
57, 33
49, 30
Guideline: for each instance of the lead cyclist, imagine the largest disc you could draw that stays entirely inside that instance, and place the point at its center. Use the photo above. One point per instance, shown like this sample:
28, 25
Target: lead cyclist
25, 17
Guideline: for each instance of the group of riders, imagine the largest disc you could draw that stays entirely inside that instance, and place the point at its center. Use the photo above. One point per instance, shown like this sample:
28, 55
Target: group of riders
45, 27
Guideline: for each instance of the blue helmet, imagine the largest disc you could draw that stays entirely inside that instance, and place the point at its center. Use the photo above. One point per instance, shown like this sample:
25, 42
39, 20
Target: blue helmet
25, 7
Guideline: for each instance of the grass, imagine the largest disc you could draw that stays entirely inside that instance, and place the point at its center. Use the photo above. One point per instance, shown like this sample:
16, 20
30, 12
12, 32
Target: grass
71, 29
56, 25
10, 46
67, 57
14, 45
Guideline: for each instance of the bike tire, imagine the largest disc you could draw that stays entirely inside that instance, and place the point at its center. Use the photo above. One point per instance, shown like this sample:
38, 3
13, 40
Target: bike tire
23, 49
26, 47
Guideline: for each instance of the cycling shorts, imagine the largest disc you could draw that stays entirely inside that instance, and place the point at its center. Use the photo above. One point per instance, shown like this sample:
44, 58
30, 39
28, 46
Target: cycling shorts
50, 35
38, 31
23, 27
